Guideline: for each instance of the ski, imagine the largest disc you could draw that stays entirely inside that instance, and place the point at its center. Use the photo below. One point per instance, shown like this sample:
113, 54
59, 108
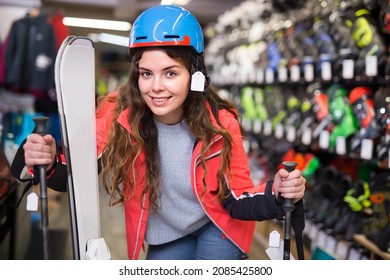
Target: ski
75, 89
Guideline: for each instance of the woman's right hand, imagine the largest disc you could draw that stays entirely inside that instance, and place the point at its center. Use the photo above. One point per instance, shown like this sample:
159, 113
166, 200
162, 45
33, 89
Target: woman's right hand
40, 150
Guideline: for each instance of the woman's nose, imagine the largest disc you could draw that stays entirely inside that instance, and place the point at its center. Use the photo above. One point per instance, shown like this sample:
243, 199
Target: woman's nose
158, 84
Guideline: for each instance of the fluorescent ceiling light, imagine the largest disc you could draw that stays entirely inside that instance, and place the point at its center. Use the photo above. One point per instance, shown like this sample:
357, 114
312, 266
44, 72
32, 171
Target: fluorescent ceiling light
110, 39
97, 23
175, 2
22, 3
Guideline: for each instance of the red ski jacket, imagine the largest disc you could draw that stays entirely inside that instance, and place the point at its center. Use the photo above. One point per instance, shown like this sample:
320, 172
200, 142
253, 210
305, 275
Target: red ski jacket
246, 201
235, 216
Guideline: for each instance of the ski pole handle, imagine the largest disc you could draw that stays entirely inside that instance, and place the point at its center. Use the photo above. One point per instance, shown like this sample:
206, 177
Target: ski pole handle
40, 125
288, 203
40, 128
288, 207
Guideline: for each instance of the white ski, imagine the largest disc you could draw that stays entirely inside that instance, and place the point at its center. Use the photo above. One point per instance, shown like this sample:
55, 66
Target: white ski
75, 87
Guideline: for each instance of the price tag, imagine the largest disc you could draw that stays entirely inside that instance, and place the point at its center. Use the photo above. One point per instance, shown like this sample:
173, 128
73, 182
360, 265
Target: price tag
367, 148
371, 66
198, 81
348, 66
341, 146
267, 127
326, 71
309, 72
257, 124
42, 62
274, 239
279, 131
295, 73
324, 140
342, 250
306, 136
269, 76
291, 133
282, 74
32, 202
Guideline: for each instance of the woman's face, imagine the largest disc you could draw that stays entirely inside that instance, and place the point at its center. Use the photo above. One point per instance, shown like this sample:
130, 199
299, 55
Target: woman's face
164, 85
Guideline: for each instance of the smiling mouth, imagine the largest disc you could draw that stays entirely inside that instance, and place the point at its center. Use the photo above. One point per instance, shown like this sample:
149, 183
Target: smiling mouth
160, 99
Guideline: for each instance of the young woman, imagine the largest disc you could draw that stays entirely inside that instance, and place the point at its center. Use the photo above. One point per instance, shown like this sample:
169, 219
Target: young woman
173, 156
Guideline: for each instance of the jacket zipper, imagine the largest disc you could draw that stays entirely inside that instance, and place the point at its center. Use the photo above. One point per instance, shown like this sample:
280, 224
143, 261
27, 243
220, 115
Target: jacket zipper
197, 195
139, 227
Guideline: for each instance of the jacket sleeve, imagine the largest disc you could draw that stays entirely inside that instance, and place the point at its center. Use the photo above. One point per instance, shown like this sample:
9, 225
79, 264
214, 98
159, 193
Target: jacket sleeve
264, 207
255, 207
243, 200
57, 176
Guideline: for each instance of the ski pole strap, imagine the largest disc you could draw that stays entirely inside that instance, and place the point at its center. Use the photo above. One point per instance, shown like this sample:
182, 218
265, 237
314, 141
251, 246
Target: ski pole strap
298, 225
34, 181
26, 188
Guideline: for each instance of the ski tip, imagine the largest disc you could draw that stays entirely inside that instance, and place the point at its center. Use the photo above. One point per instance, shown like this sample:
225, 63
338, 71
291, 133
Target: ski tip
81, 41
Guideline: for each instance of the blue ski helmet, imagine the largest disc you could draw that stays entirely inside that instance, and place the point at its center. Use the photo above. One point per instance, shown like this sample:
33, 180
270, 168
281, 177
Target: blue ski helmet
166, 25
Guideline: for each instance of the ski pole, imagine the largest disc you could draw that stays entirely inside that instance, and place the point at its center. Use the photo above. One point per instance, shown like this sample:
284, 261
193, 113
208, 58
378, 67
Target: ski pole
40, 123
288, 207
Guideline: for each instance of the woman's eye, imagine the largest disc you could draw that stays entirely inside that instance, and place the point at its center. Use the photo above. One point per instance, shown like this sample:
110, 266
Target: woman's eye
171, 73
145, 74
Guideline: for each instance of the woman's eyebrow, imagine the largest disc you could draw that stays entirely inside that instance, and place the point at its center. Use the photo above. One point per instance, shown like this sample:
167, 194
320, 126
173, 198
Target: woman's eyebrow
164, 69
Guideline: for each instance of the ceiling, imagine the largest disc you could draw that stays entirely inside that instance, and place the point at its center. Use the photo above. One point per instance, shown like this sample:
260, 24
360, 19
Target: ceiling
205, 11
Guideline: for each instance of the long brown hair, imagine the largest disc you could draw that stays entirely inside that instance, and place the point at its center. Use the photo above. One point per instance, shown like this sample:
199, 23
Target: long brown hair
122, 149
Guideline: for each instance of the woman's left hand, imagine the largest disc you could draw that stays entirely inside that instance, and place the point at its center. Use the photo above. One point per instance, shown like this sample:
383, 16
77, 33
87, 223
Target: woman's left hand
289, 184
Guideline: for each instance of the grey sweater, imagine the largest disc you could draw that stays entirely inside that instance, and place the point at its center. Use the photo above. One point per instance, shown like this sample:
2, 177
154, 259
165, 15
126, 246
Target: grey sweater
180, 212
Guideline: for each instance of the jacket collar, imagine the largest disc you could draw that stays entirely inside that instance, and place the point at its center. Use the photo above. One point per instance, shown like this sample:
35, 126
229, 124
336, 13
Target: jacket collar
123, 120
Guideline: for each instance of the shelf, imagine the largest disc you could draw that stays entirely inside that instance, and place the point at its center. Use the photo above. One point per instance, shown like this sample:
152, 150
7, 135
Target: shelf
363, 241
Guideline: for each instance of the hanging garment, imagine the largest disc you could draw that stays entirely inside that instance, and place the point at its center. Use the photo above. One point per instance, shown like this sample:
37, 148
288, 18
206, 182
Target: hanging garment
2, 65
30, 54
61, 31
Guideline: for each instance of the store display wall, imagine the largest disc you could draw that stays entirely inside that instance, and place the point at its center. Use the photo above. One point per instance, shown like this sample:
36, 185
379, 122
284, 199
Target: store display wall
311, 79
